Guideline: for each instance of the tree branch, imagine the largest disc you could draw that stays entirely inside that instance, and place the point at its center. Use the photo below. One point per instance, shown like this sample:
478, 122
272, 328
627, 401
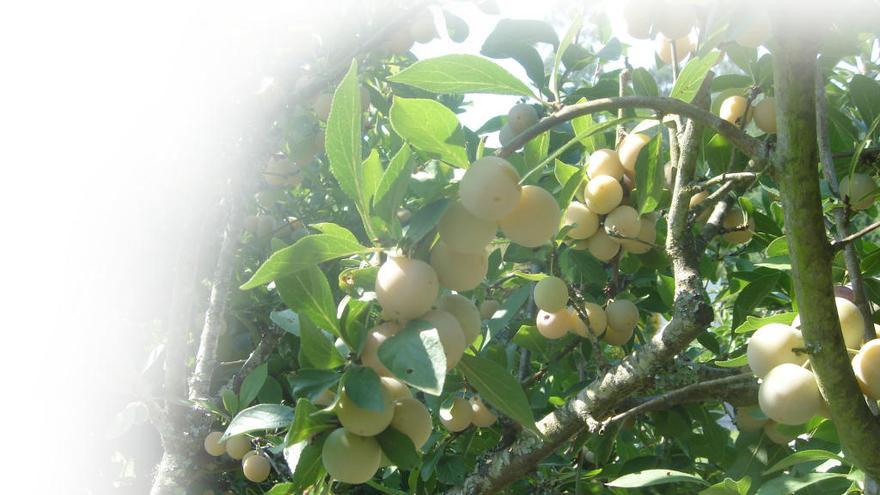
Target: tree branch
841, 243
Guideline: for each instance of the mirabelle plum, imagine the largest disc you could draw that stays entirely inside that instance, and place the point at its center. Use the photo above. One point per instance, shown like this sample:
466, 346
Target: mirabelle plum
771, 345
483, 417
413, 419
859, 189
554, 325
458, 416
534, 221
603, 194
490, 188
585, 221
551, 294
458, 271
406, 288
464, 232
605, 162
465, 311
521, 117
790, 395
350, 458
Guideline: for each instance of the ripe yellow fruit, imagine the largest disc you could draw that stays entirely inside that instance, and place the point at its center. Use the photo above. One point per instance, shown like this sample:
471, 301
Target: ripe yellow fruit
321, 106
554, 325
746, 421
790, 395
413, 419
623, 315
375, 338
465, 311
463, 232
617, 337
422, 27
675, 19
488, 308
764, 114
483, 417
213, 445
520, 117
238, 446
647, 234
458, 416
733, 108
406, 288
629, 149
771, 345
450, 332
350, 458
256, 468
595, 314
490, 188
601, 246
361, 421
551, 294
771, 430
605, 162
698, 198
733, 219
534, 221
458, 271
248, 454
683, 48
326, 399
866, 366
623, 221
396, 388
859, 189
282, 172
584, 220
603, 194
637, 14
852, 324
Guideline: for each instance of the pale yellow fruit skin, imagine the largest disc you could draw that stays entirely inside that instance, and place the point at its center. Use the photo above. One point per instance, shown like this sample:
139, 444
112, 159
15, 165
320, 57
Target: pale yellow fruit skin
256, 468
238, 446
790, 395
585, 221
483, 417
602, 247
605, 162
623, 315
520, 117
603, 194
213, 445
733, 108
733, 219
776, 436
637, 15
458, 416
623, 221
866, 365
617, 337
746, 422
396, 388
852, 324
465, 311
764, 115
647, 234
364, 422
488, 308
282, 172
413, 419
406, 288
535, 220
463, 232
350, 458
451, 335
458, 271
551, 294
859, 188
696, 199
490, 188
683, 48
553, 325
506, 135
629, 149
596, 315
674, 19
375, 338
771, 345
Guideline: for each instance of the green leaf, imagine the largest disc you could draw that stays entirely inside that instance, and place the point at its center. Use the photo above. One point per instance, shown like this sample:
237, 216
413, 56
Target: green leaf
644, 83
230, 401
529, 338
308, 421
304, 461
456, 27
461, 74
651, 477
343, 141
303, 254
311, 383
509, 308
733, 363
281, 489
392, 187
430, 127
316, 350
399, 448
753, 323
729, 487
354, 323
334, 230
271, 393
570, 178
513, 38
788, 484
287, 320
536, 150
259, 417
804, 456
692, 76
415, 356
372, 172
581, 125
752, 294
649, 175
308, 293
424, 220
499, 388
363, 387
252, 384
865, 94
573, 30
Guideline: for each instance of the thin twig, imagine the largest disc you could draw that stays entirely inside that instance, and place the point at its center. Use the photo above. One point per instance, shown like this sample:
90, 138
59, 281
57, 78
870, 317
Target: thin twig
840, 243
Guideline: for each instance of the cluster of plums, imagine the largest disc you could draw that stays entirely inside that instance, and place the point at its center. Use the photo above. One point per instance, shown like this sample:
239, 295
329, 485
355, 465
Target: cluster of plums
254, 464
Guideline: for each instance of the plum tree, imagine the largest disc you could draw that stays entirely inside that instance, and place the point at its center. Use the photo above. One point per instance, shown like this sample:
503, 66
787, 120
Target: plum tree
490, 188
733, 108
683, 48
413, 419
364, 422
598, 320
623, 221
859, 190
350, 458
237, 446
789, 394
747, 419
457, 416
605, 162
282, 172
450, 332
644, 240
464, 232
733, 222
774, 344
764, 115
602, 246
534, 221
629, 150
603, 194
256, 468
375, 338
520, 117
464, 310
852, 324
406, 288
866, 366
553, 325
483, 417
584, 221
213, 445
777, 436
396, 388
488, 308
551, 294
458, 271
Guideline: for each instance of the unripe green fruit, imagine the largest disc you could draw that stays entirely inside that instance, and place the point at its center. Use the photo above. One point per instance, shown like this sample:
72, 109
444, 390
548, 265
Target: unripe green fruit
675, 19
605, 162
534, 221
554, 325
584, 220
450, 332
733, 108
506, 135
647, 234
551, 294
603, 194
213, 445
790, 395
256, 468
859, 189
629, 149
601, 246
764, 114
281, 172
520, 117
458, 271
422, 28
595, 314
623, 315
490, 188
413, 419
866, 366
375, 338
326, 399
733, 219
458, 416
623, 221
771, 345
771, 430
488, 308
321, 106
483, 417
467, 314
852, 324
746, 421
238, 446
350, 458
464, 232
683, 48
406, 288
364, 422
396, 388
637, 14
